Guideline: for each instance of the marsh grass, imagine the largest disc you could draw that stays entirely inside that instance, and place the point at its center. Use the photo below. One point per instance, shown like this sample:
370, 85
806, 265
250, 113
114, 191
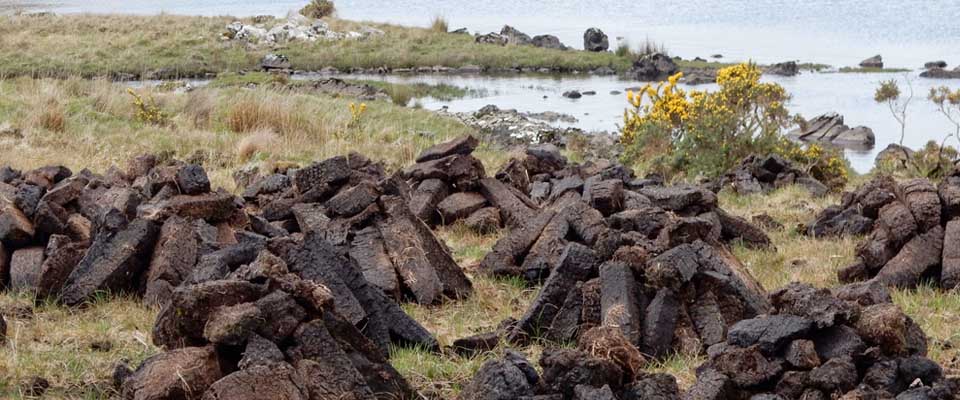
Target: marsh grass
75, 350
439, 24
100, 128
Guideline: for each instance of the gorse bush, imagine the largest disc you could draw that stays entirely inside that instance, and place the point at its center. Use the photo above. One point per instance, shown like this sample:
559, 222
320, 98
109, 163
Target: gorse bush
318, 9
147, 110
701, 133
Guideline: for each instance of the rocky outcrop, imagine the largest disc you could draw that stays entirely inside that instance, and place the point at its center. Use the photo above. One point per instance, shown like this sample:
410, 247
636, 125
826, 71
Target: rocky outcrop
816, 344
873, 62
511, 35
595, 40
511, 127
829, 128
941, 73
294, 28
652, 67
788, 68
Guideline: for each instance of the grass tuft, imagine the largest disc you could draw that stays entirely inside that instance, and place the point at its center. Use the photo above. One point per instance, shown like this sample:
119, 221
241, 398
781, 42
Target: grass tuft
439, 24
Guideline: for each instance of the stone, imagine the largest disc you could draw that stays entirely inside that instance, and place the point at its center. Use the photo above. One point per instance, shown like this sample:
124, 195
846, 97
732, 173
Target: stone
273, 61
462, 145
544, 255
548, 42
835, 222
180, 373
788, 68
595, 40
864, 293
873, 62
509, 251
770, 333
681, 199
653, 67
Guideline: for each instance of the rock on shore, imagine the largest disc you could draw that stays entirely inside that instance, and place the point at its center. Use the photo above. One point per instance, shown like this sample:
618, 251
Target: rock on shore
829, 128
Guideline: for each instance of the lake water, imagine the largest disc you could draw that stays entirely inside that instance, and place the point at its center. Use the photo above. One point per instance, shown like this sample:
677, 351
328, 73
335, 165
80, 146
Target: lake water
836, 32
813, 94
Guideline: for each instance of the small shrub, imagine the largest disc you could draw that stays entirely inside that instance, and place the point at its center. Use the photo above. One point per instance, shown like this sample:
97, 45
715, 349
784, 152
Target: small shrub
258, 141
649, 47
440, 25
318, 9
148, 110
52, 117
356, 115
623, 50
705, 133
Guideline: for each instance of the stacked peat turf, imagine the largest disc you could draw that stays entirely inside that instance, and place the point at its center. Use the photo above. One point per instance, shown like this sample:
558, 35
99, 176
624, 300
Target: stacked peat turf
157, 225
914, 231
756, 174
73, 236
649, 261
354, 206
850, 344
263, 333
451, 185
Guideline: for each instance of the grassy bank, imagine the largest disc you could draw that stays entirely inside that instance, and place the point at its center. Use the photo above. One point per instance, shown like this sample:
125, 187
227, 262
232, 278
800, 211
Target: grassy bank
169, 46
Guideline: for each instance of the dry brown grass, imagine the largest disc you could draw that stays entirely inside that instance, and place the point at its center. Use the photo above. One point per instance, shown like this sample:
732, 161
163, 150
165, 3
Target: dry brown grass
256, 142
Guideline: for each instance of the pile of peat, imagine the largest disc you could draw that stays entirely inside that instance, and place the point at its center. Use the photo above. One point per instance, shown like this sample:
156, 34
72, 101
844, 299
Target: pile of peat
913, 228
